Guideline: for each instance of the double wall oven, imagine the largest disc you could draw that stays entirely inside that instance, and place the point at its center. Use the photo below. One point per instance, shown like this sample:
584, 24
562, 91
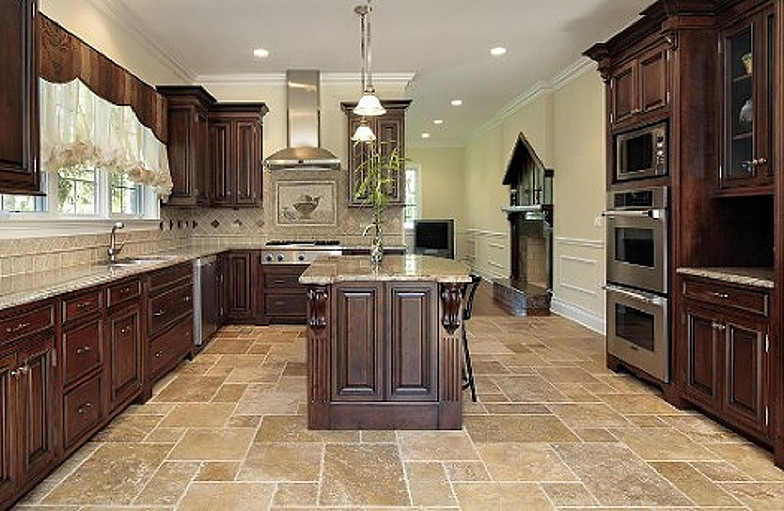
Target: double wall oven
637, 279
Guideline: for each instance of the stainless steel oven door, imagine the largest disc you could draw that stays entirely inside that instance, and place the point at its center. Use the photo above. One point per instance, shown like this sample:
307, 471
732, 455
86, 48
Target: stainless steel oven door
637, 330
637, 248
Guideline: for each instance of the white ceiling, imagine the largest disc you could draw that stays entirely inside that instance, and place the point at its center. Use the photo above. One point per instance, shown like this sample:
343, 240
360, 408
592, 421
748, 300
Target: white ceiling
444, 43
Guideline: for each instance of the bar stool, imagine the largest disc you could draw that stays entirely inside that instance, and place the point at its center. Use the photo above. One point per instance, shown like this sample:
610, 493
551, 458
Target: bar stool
468, 298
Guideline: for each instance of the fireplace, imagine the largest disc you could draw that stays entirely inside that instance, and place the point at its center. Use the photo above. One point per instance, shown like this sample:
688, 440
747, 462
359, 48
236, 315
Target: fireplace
528, 288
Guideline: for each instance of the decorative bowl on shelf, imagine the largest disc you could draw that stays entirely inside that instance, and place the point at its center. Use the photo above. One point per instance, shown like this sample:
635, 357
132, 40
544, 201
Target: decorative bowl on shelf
306, 205
746, 116
748, 62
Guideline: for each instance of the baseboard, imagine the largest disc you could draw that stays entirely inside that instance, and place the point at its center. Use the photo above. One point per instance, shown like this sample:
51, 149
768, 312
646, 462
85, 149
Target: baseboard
579, 314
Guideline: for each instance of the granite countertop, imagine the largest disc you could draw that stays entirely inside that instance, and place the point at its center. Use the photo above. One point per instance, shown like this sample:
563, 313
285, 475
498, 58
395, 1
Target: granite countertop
757, 277
332, 269
30, 287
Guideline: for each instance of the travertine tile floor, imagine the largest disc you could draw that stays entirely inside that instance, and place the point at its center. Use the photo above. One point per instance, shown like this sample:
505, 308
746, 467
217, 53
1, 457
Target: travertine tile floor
553, 429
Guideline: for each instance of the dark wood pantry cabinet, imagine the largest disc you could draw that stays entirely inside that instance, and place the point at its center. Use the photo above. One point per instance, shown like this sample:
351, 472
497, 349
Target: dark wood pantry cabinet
390, 131
639, 87
19, 159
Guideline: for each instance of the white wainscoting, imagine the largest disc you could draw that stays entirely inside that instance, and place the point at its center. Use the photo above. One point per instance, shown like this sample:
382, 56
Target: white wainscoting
487, 252
577, 281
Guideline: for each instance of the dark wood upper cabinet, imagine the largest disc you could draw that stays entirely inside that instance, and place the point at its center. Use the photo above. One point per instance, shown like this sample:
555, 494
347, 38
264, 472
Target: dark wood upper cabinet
188, 144
390, 131
639, 87
748, 73
19, 158
235, 145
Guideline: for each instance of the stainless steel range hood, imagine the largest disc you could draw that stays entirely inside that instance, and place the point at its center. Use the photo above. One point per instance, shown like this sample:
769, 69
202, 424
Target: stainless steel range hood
304, 116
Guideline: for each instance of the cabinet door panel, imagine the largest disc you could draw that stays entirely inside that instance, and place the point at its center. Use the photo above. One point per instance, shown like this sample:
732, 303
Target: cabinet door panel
745, 373
240, 289
125, 355
248, 163
82, 350
390, 129
624, 92
18, 96
357, 351
180, 159
9, 429
412, 362
653, 81
220, 163
702, 376
38, 407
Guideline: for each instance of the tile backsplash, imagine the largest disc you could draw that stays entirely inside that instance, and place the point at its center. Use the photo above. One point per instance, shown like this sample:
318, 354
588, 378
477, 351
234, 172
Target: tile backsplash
181, 227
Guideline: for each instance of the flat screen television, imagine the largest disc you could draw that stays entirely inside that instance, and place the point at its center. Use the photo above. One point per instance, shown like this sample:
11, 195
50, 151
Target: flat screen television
435, 237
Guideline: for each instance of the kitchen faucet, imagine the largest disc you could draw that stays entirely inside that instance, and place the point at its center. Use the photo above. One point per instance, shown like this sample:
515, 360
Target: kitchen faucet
113, 248
367, 229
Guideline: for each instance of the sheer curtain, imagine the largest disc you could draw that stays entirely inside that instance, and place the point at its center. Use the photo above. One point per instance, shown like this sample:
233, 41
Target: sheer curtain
79, 128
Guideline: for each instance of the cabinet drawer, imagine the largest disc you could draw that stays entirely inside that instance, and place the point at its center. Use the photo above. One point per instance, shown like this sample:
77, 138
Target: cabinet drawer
81, 410
726, 296
168, 307
282, 280
75, 307
82, 350
171, 346
25, 321
169, 276
118, 293
285, 304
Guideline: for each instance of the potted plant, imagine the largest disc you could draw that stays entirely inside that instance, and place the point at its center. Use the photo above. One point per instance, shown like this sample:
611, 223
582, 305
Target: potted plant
378, 171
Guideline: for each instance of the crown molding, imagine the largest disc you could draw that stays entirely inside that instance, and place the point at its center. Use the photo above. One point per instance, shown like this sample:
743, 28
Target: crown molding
123, 18
273, 79
568, 74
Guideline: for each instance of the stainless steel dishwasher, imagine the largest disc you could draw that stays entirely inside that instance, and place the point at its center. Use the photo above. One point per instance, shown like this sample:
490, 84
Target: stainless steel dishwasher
205, 311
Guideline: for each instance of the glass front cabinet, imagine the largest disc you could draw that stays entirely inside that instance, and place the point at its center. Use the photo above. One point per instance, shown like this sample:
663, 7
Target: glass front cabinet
748, 76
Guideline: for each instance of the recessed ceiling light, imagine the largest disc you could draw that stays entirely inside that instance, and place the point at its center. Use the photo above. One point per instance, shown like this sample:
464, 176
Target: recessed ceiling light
425, 135
260, 53
457, 102
438, 121
498, 51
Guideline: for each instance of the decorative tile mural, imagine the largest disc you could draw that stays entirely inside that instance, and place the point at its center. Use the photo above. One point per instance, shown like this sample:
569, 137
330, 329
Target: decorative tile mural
305, 203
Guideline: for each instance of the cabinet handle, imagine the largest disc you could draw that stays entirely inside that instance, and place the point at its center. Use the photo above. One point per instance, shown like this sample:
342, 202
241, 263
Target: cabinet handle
20, 326
125, 290
159, 313
82, 305
158, 354
188, 299
718, 326
82, 409
82, 350
723, 296
20, 371
125, 330
636, 111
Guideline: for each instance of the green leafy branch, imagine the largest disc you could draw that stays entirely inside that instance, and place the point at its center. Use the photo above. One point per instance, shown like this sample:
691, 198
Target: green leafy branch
378, 171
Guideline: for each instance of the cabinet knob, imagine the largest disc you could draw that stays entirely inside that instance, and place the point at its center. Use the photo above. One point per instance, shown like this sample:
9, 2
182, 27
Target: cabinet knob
82, 409
723, 296
82, 350
83, 305
20, 326
159, 313
20, 371
158, 354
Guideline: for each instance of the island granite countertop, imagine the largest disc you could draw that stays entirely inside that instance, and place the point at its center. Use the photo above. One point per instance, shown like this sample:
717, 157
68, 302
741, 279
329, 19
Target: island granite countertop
332, 269
756, 277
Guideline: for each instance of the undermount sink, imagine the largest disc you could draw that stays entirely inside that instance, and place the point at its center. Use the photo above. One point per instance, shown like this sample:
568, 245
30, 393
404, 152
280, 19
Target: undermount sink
138, 261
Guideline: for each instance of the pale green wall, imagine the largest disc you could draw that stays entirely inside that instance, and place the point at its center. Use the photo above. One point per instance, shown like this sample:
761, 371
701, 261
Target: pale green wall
441, 182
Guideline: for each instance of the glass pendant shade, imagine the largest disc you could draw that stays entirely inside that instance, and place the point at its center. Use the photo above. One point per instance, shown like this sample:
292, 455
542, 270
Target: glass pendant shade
363, 133
369, 105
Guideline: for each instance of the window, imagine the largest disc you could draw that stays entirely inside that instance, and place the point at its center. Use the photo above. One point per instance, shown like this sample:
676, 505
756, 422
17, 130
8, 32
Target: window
411, 208
85, 192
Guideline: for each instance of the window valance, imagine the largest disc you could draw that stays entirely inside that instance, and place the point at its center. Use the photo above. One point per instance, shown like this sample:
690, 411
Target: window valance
80, 128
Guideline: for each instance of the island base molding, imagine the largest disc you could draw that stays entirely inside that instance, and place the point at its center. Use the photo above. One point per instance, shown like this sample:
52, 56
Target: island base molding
385, 416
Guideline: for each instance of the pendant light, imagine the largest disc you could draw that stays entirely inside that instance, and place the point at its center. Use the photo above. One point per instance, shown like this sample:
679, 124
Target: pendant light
369, 104
363, 133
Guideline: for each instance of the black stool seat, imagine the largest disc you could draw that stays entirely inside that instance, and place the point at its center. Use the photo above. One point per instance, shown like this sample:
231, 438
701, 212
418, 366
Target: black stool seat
468, 292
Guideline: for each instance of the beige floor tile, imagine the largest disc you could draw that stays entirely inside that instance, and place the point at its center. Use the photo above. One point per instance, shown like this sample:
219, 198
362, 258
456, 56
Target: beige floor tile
532, 462
501, 497
588, 415
213, 444
758, 496
436, 445
529, 389
694, 485
229, 393
518, 428
466, 471
265, 400
429, 485
663, 444
229, 346
568, 374
753, 460
594, 435
616, 477
375, 437
128, 428
165, 435
114, 474
517, 409
291, 428
644, 404
282, 462
198, 415
701, 429
193, 389
363, 475
569, 494
218, 471
208, 496
168, 484
298, 495
720, 471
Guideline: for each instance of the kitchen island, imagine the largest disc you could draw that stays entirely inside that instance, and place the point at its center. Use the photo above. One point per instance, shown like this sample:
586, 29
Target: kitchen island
384, 343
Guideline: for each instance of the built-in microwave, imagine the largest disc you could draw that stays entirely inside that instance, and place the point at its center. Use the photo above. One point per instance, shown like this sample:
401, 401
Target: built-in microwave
641, 153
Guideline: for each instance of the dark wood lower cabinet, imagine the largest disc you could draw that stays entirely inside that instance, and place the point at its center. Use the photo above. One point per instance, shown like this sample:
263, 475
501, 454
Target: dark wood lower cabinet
241, 274
124, 349
727, 368
284, 298
9, 429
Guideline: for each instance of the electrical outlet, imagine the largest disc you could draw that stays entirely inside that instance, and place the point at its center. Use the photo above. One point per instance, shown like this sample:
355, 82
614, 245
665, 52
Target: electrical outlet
598, 221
